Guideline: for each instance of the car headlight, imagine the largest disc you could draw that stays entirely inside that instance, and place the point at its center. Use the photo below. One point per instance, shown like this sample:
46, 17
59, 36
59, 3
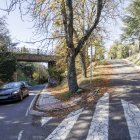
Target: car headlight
15, 92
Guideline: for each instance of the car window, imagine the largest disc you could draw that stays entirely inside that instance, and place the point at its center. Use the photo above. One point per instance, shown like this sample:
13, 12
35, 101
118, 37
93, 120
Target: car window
11, 85
25, 84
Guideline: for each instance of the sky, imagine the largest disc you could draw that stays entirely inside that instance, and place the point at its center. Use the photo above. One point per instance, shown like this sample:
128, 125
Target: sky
22, 30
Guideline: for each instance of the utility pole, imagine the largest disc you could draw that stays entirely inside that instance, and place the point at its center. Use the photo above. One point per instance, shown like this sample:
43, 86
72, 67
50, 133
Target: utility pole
139, 40
91, 57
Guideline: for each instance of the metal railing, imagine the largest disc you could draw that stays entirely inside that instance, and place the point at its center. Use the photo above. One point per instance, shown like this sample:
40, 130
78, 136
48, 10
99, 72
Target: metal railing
31, 51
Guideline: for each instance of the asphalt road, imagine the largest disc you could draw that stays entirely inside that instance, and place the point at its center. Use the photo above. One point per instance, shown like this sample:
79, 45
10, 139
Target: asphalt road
16, 123
115, 116
124, 104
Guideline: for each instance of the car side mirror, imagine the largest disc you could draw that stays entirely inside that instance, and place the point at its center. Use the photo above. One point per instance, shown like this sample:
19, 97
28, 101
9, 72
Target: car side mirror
23, 86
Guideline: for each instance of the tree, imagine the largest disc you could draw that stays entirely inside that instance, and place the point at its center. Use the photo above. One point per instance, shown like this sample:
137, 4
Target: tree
40, 73
131, 29
68, 13
4, 35
7, 66
118, 50
99, 49
28, 69
7, 60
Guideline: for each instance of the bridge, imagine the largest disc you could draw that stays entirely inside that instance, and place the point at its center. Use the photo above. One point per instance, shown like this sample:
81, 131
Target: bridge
34, 55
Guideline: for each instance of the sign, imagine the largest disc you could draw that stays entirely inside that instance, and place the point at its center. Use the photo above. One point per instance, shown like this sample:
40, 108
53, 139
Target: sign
91, 51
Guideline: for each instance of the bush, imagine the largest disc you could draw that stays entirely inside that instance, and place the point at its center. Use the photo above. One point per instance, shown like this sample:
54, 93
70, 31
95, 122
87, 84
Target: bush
7, 66
55, 76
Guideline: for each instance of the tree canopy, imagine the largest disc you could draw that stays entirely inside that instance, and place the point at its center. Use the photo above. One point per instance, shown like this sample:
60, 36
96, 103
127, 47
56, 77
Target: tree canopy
131, 29
118, 50
7, 60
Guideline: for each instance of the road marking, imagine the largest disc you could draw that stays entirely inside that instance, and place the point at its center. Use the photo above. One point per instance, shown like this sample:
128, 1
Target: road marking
99, 124
63, 129
20, 134
30, 106
44, 120
132, 115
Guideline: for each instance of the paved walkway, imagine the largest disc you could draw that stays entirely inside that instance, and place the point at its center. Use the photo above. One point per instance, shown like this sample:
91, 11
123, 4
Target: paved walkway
47, 101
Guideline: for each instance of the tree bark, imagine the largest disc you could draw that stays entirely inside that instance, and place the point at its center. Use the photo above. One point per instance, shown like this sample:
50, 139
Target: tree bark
72, 78
83, 64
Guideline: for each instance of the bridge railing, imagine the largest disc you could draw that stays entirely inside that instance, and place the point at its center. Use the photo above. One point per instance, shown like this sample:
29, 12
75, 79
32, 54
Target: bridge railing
31, 51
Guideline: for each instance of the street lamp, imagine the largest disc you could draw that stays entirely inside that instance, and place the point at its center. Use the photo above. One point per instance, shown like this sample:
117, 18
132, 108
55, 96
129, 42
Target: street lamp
38, 51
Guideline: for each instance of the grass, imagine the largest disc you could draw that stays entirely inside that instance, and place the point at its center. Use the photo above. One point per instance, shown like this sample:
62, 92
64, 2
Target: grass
99, 80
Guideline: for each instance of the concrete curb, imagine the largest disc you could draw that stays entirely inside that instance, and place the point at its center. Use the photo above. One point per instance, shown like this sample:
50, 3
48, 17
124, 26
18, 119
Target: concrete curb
32, 110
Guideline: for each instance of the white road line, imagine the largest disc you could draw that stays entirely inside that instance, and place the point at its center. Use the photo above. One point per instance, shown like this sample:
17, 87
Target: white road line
44, 120
30, 106
132, 115
27, 112
99, 124
63, 129
20, 134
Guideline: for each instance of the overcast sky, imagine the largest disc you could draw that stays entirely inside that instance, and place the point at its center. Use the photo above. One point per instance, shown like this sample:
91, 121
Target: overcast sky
22, 30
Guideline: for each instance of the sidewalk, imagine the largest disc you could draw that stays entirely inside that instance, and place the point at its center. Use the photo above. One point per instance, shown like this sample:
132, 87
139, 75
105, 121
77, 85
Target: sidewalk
45, 102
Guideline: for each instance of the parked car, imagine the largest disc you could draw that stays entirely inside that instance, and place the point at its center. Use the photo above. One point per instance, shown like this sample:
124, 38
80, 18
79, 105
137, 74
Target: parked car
13, 91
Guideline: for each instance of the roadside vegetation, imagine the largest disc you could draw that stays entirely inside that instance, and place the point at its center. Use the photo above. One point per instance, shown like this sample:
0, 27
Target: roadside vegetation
7, 59
34, 73
98, 82
129, 42
118, 50
10, 69
135, 59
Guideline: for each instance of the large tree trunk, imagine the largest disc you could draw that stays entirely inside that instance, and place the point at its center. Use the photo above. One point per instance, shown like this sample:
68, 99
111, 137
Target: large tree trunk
83, 64
72, 78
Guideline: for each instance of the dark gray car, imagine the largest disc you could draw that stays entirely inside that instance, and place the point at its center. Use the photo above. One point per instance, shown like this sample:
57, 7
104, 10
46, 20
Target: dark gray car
13, 91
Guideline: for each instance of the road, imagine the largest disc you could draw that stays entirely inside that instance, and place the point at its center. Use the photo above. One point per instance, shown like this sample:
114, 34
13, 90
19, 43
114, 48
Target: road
15, 122
115, 116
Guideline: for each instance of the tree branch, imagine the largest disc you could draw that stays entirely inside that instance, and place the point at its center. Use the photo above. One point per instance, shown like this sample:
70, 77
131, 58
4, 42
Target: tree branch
88, 33
70, 23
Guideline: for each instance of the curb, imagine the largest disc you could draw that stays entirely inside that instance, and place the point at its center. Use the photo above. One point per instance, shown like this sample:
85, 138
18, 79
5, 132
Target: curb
32, 110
